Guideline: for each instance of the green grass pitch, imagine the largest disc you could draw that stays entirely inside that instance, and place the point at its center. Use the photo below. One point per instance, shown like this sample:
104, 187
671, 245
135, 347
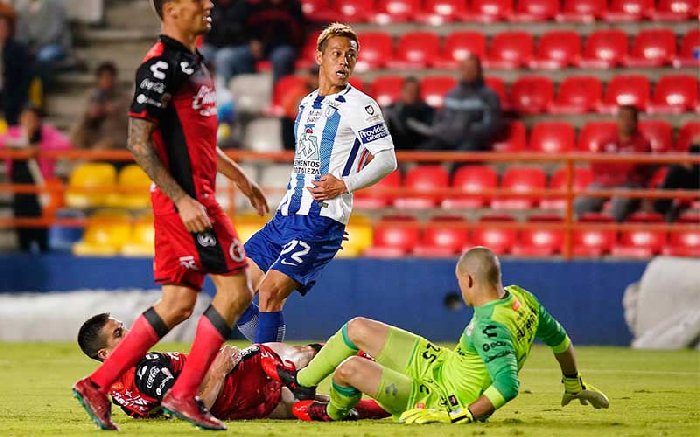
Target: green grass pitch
651, 394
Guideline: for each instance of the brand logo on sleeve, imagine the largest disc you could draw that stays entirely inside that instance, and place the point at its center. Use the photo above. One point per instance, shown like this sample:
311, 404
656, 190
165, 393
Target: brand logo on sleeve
373, 133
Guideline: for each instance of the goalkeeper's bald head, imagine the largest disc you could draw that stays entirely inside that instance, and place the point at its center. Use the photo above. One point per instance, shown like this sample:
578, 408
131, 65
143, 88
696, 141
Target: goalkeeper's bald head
479, 270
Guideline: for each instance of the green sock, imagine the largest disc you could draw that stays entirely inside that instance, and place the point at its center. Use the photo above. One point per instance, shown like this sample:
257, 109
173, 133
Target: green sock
337, 349
342, 400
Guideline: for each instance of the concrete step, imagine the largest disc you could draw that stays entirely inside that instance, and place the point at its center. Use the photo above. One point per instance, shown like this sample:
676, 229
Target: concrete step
131, 14
127, 55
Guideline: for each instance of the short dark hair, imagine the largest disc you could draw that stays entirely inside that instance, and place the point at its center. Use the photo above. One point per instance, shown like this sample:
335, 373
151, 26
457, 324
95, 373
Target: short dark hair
106, 67
90, 337
632, 108
158, 7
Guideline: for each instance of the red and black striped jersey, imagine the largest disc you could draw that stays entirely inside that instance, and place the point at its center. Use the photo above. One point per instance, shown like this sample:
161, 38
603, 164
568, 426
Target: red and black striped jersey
174, 90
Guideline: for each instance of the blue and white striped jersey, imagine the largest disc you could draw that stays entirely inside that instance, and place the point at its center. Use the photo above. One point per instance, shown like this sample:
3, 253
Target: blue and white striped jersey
334, 134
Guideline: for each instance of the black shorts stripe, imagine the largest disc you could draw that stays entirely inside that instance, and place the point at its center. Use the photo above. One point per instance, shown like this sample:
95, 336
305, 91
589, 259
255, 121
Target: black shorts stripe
211, 254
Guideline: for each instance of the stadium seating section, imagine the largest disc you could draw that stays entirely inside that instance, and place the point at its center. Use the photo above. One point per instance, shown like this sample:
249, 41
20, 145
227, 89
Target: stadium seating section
560, 68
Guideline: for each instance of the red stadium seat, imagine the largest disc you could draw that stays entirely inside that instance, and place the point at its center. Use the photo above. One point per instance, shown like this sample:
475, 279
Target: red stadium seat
595, 241
284, 84
458, 46
491, 10
514, 139
495, 232
557, 49
357, 83
355, 11
604, 49
629, 10
387, 89
582, 11
535, 10
640, 243
552, 137
531, 94
689, 53
472, 179
499, 87
509, 50
443, 236
372, 197
593, 134
578, 95
676, 94
375, 50
582, 178
659, 133
540, 241
319, 11
416, 50
522, 180
652, 48
394, 236
424, 178
683, 242
396, 11
675, 10
687, 133
308, 52
437, 12
434, 88
626, 90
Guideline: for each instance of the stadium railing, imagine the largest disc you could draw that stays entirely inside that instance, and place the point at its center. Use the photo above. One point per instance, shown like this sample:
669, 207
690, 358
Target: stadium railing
56, 189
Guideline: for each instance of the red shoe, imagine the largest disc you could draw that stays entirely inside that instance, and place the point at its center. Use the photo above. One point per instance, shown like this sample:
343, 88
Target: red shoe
191, 410
315, 411
365, 355
311, 411
95, 402
370, 409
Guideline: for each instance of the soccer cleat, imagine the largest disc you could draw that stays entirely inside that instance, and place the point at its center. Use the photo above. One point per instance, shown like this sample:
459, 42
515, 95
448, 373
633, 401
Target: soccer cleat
95, 402
315, 411
370, 409
191, 410
365, 355
287, 375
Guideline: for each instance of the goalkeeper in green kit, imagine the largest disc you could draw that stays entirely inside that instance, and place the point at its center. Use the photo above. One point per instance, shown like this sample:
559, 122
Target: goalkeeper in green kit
419, 382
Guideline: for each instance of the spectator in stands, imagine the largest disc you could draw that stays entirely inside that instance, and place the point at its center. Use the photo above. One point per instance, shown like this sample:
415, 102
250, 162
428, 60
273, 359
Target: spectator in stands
26, 171
620, 176
103, 125
226, 38
15, 68
679, 176
290, 105
471, 114
275, 31
410, 118
43, 26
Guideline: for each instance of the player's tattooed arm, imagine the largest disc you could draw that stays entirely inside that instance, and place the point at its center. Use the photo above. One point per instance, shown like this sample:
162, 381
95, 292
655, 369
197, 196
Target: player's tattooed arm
224, 363
140, 145
193, 214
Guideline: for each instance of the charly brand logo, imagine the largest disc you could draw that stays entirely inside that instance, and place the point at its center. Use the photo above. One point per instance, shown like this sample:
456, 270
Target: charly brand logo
188, 262
236, 251
156, 69
205, 101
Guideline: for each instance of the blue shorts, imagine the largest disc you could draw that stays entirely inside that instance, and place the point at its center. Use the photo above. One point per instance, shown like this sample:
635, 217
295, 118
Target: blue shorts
297, 245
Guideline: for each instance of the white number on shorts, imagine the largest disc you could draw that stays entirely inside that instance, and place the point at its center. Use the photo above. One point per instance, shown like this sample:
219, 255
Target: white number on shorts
296, 256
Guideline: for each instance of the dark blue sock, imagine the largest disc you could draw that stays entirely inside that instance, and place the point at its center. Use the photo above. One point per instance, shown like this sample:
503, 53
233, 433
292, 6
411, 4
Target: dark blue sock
248, 322
271, 327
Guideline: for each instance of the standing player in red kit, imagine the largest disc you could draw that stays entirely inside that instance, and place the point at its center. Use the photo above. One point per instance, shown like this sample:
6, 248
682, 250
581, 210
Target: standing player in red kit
172, 135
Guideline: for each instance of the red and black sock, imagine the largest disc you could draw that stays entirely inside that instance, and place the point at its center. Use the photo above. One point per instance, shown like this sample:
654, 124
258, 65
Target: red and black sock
212, 331
146, 331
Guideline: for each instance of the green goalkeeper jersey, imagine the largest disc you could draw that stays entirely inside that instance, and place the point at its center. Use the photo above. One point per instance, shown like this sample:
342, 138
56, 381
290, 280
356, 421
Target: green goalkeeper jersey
495, 345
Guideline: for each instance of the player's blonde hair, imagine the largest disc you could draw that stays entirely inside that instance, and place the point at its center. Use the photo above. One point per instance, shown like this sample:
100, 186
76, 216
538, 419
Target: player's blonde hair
336, 29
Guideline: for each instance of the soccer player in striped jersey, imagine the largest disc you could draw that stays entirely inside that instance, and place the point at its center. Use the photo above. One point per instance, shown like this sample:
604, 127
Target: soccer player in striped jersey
337, 130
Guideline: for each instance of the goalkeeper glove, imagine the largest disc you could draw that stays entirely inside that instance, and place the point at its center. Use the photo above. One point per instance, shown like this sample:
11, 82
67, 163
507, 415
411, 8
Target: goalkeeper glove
430, 415
576, 388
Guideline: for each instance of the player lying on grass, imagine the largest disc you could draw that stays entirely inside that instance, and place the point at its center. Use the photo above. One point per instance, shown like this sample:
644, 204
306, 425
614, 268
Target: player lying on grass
418, 382
234, 387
